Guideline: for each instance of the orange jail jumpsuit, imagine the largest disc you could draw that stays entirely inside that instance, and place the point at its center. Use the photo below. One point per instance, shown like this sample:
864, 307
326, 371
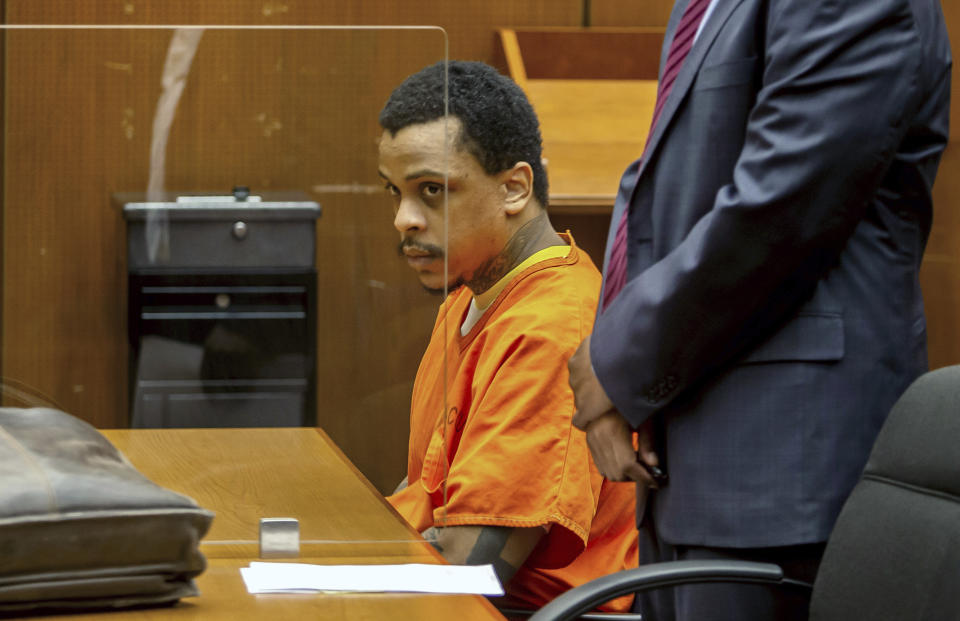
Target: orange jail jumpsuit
502, 451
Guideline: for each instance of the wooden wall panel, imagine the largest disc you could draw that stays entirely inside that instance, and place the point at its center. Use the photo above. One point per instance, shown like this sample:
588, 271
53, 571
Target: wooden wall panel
951, 13
630, 12
470, 24
940, 275
3, 79
589, 53
271, 110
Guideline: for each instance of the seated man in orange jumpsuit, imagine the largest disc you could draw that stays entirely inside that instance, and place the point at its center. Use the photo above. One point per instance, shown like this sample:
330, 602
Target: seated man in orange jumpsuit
496, 475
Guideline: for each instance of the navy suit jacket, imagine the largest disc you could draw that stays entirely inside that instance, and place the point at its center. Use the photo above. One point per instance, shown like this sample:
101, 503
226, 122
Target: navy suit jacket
772, 313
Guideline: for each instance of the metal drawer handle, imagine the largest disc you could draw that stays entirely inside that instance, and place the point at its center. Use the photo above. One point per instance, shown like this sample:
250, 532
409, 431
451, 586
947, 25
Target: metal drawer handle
240, 230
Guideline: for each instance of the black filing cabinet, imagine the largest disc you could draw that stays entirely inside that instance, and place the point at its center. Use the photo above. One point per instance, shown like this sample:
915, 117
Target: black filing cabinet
221, 310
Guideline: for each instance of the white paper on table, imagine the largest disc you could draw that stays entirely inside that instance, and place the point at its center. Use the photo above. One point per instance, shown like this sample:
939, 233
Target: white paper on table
413, 578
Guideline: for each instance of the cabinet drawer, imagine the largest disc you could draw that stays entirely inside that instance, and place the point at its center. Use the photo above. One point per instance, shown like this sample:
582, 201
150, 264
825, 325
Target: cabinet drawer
217, 243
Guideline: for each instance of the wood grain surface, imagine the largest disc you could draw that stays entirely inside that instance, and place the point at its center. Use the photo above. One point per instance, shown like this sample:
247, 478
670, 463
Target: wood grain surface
248, 474
592, 129
223, 597
245, 474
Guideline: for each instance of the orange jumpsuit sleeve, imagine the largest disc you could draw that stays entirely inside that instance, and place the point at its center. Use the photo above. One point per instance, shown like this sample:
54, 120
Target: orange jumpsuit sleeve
413, 503
518, 461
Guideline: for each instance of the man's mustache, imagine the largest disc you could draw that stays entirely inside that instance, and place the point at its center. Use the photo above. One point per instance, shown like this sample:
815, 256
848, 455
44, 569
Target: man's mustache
427, 249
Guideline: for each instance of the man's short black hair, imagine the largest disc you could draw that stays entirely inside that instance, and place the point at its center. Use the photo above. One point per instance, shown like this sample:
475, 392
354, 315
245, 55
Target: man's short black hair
499, 126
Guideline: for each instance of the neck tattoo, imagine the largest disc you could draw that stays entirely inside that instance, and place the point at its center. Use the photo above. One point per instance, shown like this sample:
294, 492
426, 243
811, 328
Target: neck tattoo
529, 238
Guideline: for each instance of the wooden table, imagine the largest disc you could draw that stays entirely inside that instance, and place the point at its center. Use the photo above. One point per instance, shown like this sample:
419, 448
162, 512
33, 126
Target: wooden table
245, 474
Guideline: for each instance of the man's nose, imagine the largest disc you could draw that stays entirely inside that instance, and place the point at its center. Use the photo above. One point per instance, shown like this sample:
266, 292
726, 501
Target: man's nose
409, 217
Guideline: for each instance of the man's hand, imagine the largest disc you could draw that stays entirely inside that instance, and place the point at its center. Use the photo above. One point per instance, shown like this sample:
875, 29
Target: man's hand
590, 400
611, 443
608, 434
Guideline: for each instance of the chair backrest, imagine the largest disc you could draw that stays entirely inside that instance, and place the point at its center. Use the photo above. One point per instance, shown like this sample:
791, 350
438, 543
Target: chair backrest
895, 550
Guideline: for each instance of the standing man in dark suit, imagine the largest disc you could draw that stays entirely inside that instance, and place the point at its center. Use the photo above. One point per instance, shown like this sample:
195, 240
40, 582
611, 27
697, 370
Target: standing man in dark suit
761, 309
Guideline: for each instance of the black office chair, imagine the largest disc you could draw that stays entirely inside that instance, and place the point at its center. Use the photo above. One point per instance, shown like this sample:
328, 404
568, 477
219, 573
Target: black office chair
894, 553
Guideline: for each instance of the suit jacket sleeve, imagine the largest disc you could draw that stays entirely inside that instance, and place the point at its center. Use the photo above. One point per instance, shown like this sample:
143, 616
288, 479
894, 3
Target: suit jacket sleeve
840, 84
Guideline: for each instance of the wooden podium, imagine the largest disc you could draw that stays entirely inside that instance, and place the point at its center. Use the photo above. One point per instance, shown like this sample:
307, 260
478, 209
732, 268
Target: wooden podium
594, 90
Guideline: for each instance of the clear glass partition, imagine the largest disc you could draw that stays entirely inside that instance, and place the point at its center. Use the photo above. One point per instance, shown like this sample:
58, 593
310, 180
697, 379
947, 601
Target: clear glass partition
194, 237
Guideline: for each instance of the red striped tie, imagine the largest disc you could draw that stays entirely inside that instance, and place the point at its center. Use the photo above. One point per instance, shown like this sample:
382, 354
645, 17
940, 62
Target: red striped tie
679, 48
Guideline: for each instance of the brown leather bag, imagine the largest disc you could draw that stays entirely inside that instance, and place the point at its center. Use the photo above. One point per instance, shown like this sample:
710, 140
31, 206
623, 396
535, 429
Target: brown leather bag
81, 528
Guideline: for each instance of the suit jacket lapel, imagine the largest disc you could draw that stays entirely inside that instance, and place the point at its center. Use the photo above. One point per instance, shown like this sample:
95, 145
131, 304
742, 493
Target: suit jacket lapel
691, 65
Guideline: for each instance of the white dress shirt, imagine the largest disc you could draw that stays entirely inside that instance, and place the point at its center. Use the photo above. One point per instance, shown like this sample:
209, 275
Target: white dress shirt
706, 16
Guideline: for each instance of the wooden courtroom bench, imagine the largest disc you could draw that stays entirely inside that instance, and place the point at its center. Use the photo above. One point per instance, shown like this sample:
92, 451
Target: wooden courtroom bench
594, 91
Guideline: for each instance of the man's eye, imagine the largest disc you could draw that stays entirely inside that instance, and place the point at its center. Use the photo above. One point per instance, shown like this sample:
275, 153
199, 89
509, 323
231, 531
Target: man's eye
392, 189
432, 189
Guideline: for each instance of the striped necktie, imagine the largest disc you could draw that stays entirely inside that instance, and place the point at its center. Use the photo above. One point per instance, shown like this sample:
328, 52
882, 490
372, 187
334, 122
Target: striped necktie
679, 48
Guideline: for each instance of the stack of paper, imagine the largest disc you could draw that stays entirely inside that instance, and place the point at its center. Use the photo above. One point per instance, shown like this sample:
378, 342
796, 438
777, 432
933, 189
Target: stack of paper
415, 578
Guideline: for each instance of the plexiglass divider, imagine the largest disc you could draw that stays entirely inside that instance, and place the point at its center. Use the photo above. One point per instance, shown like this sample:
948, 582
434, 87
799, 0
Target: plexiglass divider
195, 236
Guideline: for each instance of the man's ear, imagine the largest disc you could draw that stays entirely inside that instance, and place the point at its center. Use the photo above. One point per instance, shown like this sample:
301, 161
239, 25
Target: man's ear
518, 187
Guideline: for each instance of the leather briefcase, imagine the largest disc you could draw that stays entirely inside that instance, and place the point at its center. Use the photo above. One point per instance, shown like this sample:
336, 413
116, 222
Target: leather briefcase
80, 528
